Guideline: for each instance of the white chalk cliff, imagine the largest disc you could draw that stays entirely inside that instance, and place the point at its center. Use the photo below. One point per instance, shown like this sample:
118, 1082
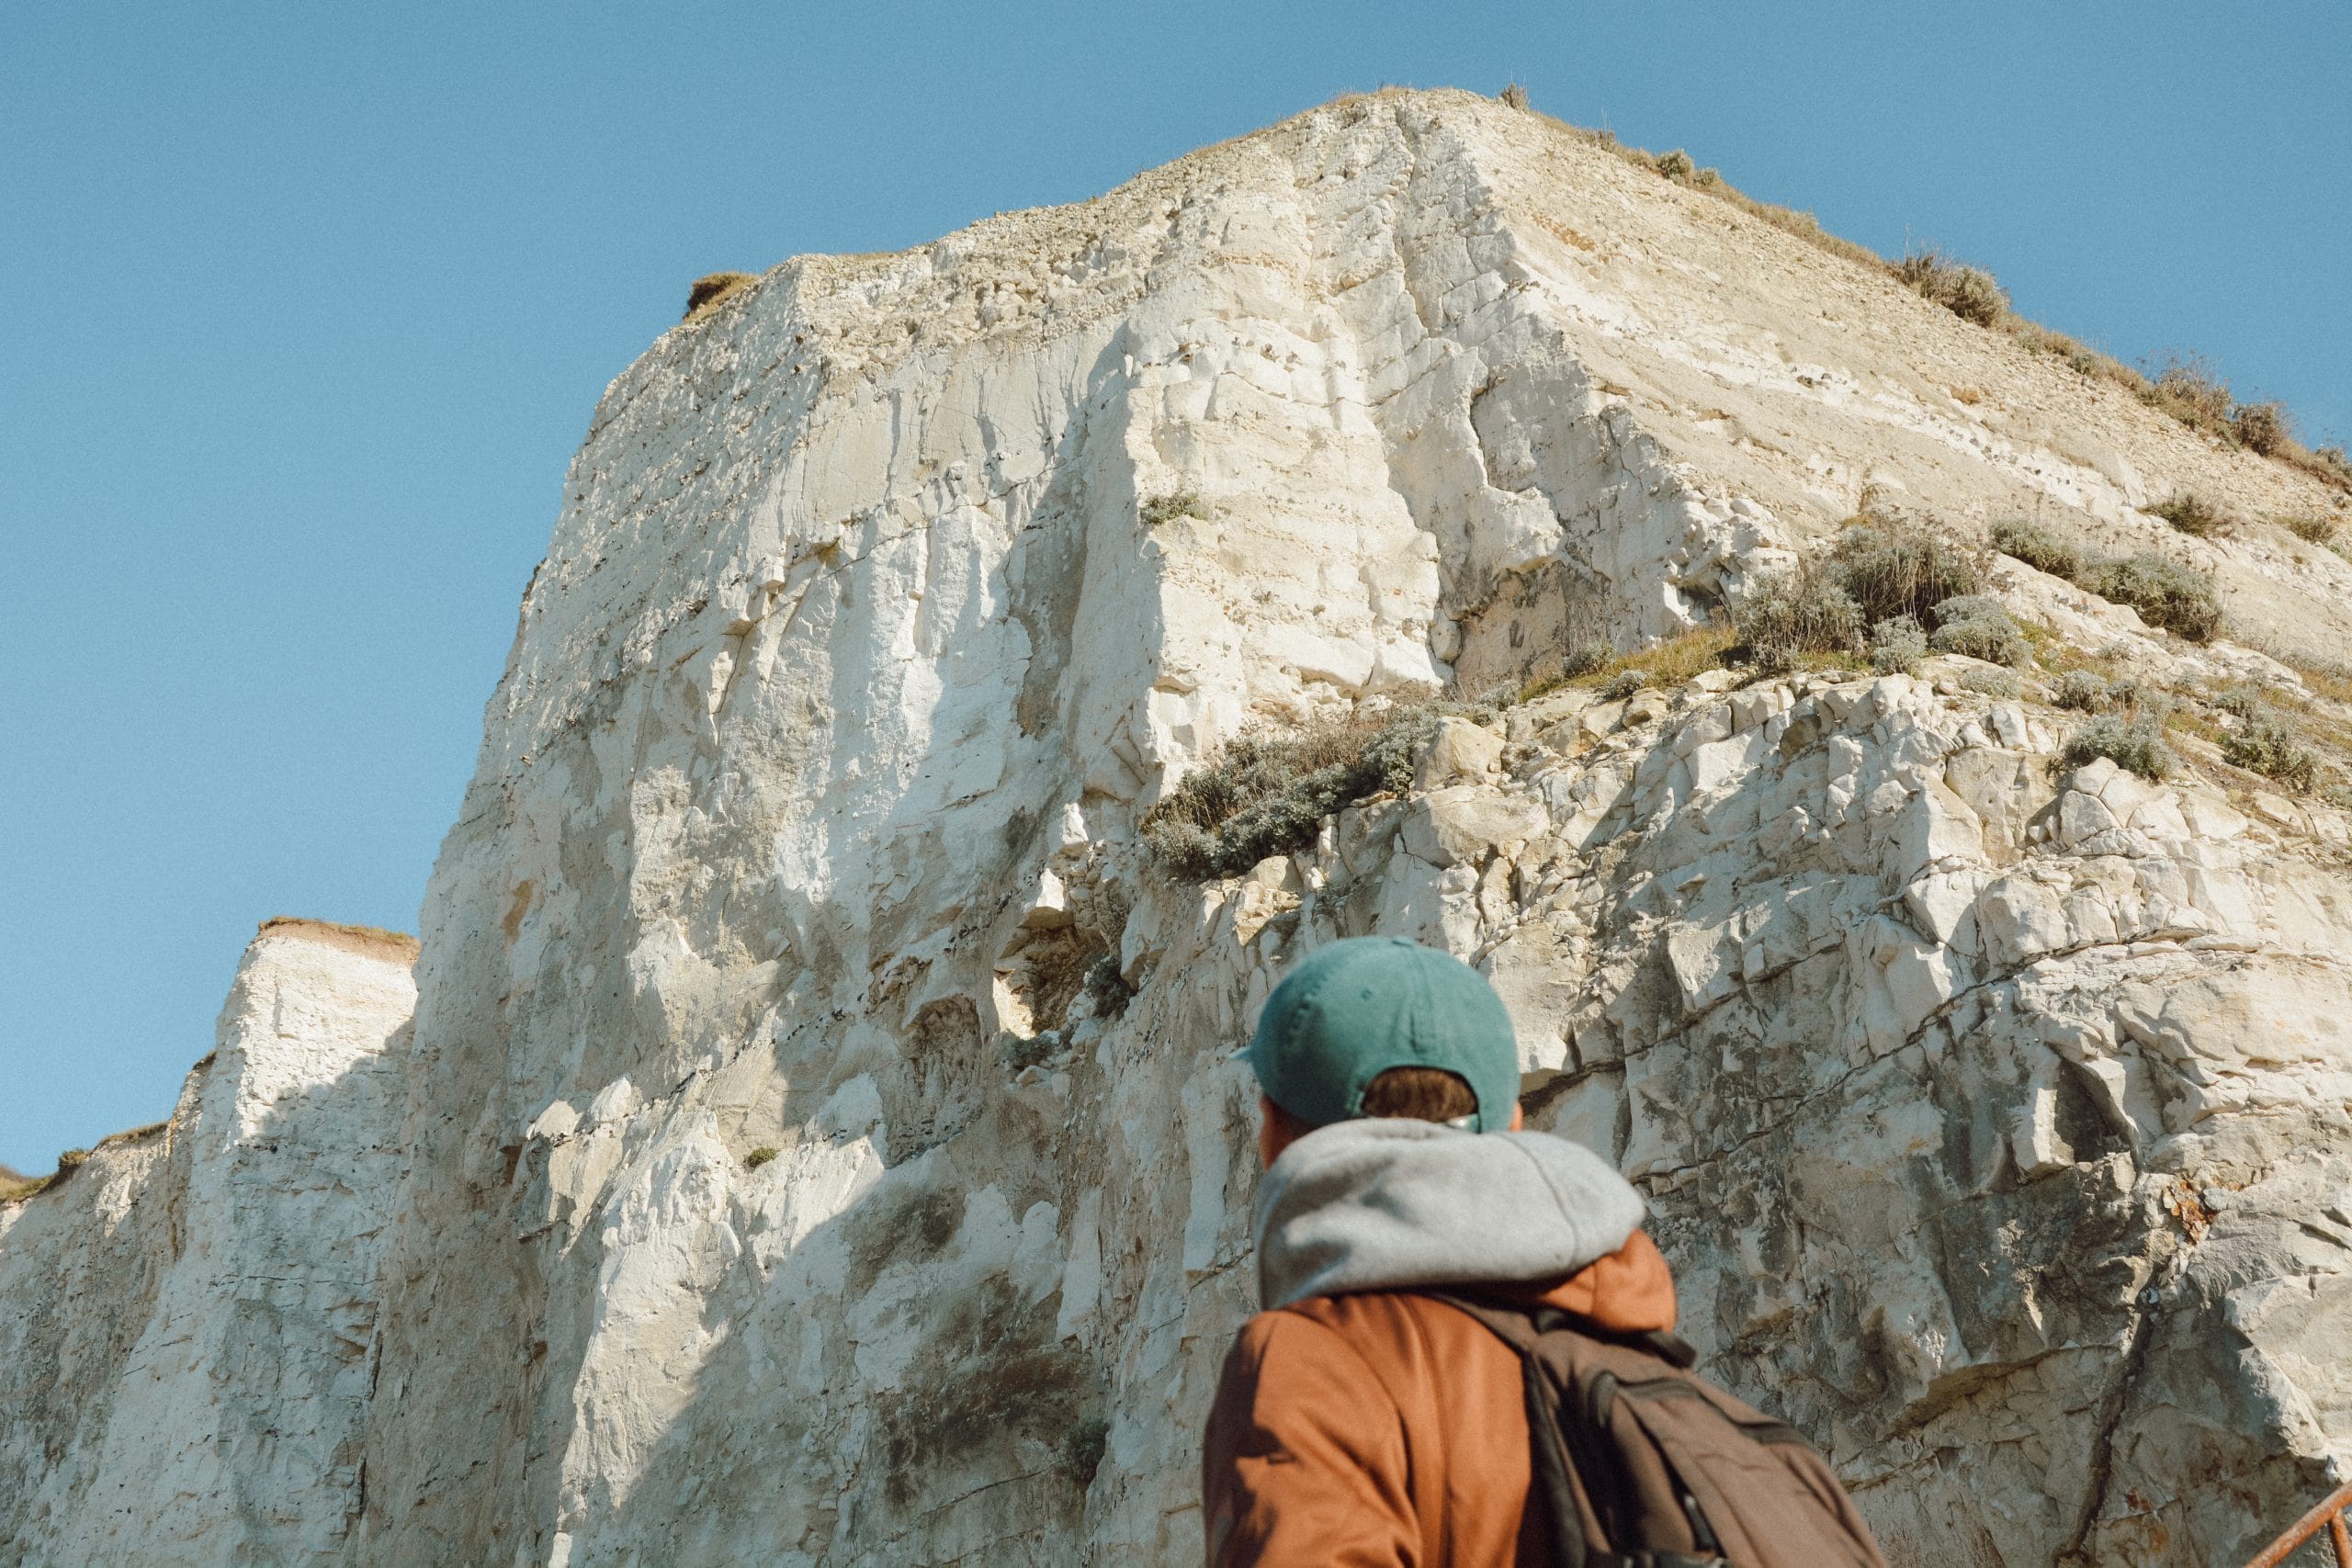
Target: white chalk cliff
758, 1181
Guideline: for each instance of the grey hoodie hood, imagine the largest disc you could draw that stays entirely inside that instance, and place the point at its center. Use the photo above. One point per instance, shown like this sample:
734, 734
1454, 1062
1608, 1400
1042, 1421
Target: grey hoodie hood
1382, 1203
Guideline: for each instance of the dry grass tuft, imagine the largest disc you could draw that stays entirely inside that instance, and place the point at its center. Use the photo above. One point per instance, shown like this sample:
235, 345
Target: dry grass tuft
2262, 427
1675, 165
2193, 515
1971, 293
1669, 663
2326, 677
2311, 529
712, 288
2190, 391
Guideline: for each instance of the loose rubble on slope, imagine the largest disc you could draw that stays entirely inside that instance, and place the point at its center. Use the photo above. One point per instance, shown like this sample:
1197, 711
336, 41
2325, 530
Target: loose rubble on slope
820, 1140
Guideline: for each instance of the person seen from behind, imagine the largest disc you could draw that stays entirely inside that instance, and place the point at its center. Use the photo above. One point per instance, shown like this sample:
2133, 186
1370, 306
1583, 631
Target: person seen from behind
1435, 1281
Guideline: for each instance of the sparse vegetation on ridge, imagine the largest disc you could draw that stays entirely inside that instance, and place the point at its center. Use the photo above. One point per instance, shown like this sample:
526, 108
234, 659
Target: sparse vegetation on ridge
1971, 293
375, 939
2261, 427
2186, 390
2183, 389
14, 1185
23, 1186
1680, 167
711, 287
2166, 593
2190, 392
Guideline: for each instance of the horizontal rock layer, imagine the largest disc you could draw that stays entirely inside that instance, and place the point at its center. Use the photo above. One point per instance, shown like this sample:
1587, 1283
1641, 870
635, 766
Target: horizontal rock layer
820, 1140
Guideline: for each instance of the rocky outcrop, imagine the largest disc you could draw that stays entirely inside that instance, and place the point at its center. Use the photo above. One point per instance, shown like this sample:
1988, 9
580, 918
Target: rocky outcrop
820, 1140
187, 1323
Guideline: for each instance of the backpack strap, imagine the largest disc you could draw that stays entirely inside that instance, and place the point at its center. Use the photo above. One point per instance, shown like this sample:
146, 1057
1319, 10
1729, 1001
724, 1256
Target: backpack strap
1551, 1475
1664, 1344
1572, 1465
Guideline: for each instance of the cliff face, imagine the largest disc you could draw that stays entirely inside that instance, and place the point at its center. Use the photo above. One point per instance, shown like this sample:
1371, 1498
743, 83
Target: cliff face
777, 1173
187, 1323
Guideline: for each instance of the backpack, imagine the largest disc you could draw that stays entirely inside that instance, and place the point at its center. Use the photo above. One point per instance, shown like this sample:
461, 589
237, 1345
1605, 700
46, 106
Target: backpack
1639, 1463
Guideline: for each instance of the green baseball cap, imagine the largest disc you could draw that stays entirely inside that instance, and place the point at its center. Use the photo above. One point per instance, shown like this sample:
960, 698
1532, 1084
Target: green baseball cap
1358, 1008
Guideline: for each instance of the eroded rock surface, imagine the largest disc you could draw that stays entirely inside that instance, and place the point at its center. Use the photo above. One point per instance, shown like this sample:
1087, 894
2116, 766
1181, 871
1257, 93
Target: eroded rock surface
821, 1143
188, 1323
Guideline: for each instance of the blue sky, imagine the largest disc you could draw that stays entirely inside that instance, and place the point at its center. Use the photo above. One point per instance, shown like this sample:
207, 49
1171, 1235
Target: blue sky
303, 308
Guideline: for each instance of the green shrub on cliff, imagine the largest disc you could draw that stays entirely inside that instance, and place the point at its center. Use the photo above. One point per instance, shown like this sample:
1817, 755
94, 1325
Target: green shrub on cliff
2137, 744
1260, 796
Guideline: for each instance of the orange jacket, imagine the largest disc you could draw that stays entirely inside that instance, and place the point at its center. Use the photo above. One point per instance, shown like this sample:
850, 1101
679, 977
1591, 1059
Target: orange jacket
1384, 1430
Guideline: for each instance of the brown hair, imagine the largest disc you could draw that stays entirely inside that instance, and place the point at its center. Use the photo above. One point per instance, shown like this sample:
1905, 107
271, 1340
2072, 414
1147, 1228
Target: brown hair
1420, 1094
1413, 1094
